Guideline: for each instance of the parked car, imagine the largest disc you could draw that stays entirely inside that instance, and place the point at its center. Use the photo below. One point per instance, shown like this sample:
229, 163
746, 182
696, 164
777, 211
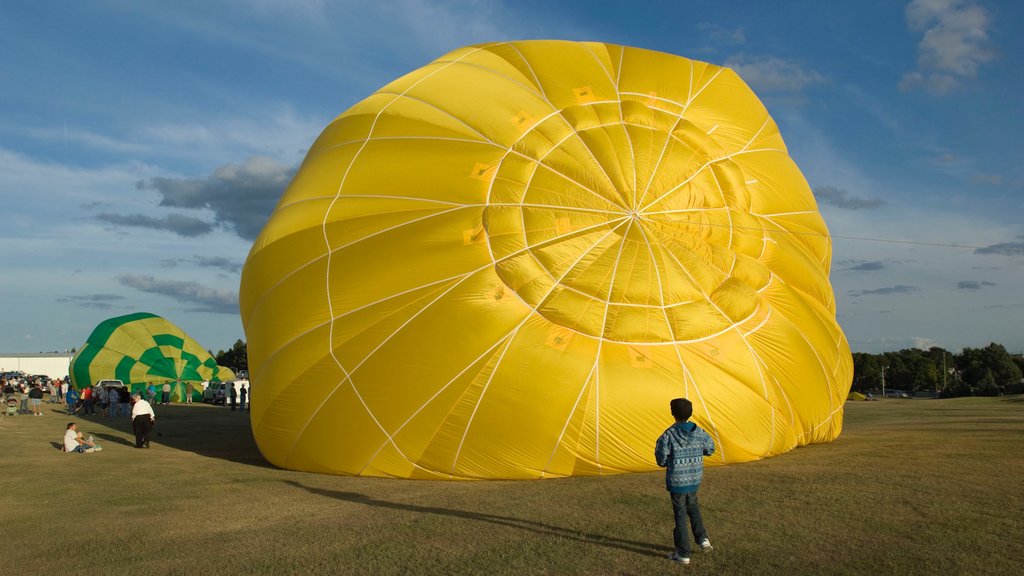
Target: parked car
220, 392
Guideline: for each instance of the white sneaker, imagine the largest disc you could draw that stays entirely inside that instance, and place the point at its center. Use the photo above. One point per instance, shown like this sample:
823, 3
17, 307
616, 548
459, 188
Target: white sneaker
675, 557
89, 450
705, 546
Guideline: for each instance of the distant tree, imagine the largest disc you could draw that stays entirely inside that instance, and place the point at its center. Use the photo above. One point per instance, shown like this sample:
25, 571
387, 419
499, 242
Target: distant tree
1004, 369
237, 358
867, 372
987, 386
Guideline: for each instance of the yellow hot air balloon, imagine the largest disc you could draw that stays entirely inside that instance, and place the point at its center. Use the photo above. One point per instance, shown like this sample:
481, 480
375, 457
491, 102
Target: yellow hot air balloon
506, 263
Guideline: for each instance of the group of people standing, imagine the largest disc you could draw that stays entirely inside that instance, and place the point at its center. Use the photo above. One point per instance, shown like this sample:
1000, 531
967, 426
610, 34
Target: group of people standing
114, 401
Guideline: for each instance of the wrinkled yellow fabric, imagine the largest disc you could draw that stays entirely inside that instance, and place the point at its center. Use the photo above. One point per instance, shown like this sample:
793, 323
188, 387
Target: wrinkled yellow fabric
506, 263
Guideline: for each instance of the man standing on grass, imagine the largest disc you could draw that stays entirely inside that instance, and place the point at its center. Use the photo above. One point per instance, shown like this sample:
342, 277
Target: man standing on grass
142, 421
681, 450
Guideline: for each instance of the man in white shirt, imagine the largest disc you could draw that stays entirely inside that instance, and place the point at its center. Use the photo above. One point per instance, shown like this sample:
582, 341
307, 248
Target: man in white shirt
142, 421
74, 442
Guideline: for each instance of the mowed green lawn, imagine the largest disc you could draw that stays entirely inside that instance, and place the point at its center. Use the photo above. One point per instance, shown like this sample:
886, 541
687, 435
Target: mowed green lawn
911, 487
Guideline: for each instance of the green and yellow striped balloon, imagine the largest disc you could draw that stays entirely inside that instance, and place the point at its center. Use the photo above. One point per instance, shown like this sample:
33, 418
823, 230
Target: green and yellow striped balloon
144, 348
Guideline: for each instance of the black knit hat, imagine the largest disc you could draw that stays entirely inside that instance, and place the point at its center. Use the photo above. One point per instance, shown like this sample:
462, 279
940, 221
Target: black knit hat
681, 408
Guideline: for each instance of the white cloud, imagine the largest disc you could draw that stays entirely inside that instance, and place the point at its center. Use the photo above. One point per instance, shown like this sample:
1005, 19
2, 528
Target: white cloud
953, 47
772, 74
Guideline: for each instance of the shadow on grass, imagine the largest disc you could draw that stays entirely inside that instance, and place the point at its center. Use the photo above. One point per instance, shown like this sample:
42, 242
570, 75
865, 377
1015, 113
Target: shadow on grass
210, 431
641, 548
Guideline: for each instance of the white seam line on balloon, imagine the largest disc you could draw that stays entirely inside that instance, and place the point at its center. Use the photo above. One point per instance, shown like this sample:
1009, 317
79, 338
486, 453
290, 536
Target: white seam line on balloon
782, 391
828, 419
622, 115
789, 403
671, 238
679, 118
479, 204
728, 156
540, 87
679, 355
437, 393
725, 202
579, 137
330, 305
506, 77
568, 419
686, 211
701, 169
508, 336
745, 149
418, 100
758, 362
821, 365
604, 330
615, 84
490, 378
355, 368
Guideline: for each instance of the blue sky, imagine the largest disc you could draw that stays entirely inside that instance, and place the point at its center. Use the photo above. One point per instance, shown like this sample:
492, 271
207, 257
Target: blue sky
143, 144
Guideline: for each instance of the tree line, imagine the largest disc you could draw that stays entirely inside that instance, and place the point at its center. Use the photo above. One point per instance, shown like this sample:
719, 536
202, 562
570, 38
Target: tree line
988, 371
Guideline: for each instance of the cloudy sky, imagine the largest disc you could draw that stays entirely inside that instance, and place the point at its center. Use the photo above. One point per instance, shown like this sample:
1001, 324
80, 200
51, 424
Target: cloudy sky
144, 144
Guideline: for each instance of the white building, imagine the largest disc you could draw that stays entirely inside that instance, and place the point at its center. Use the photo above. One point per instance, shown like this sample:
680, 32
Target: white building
55, 365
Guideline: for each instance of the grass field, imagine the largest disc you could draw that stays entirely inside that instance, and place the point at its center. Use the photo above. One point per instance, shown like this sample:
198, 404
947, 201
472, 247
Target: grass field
911, 487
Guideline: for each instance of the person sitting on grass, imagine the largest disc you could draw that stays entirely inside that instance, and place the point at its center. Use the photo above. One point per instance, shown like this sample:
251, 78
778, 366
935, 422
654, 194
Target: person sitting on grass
75, 442
681, 450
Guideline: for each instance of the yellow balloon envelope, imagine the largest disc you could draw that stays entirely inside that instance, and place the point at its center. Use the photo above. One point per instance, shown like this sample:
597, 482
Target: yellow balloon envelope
506, 263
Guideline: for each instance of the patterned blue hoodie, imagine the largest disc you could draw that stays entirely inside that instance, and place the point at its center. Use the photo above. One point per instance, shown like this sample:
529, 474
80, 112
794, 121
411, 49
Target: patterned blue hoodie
681, 450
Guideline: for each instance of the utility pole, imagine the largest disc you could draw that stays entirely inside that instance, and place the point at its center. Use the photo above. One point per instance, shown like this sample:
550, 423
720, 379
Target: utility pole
883, 381
943, 372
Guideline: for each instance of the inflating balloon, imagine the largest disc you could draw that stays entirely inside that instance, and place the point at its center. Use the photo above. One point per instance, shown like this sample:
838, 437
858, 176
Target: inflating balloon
143, 348
506, 263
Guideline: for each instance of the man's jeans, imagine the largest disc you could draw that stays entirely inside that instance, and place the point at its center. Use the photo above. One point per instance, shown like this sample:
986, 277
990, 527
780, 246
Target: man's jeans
684, 505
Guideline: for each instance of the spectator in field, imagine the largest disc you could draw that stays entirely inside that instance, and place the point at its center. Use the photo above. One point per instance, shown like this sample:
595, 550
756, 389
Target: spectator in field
234, 396
104, 396
188, 393
74, 442
87, 402
124, 398
681, 450
142, 421
71, 399
242, 397
165, 393
150, 393
35, 400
